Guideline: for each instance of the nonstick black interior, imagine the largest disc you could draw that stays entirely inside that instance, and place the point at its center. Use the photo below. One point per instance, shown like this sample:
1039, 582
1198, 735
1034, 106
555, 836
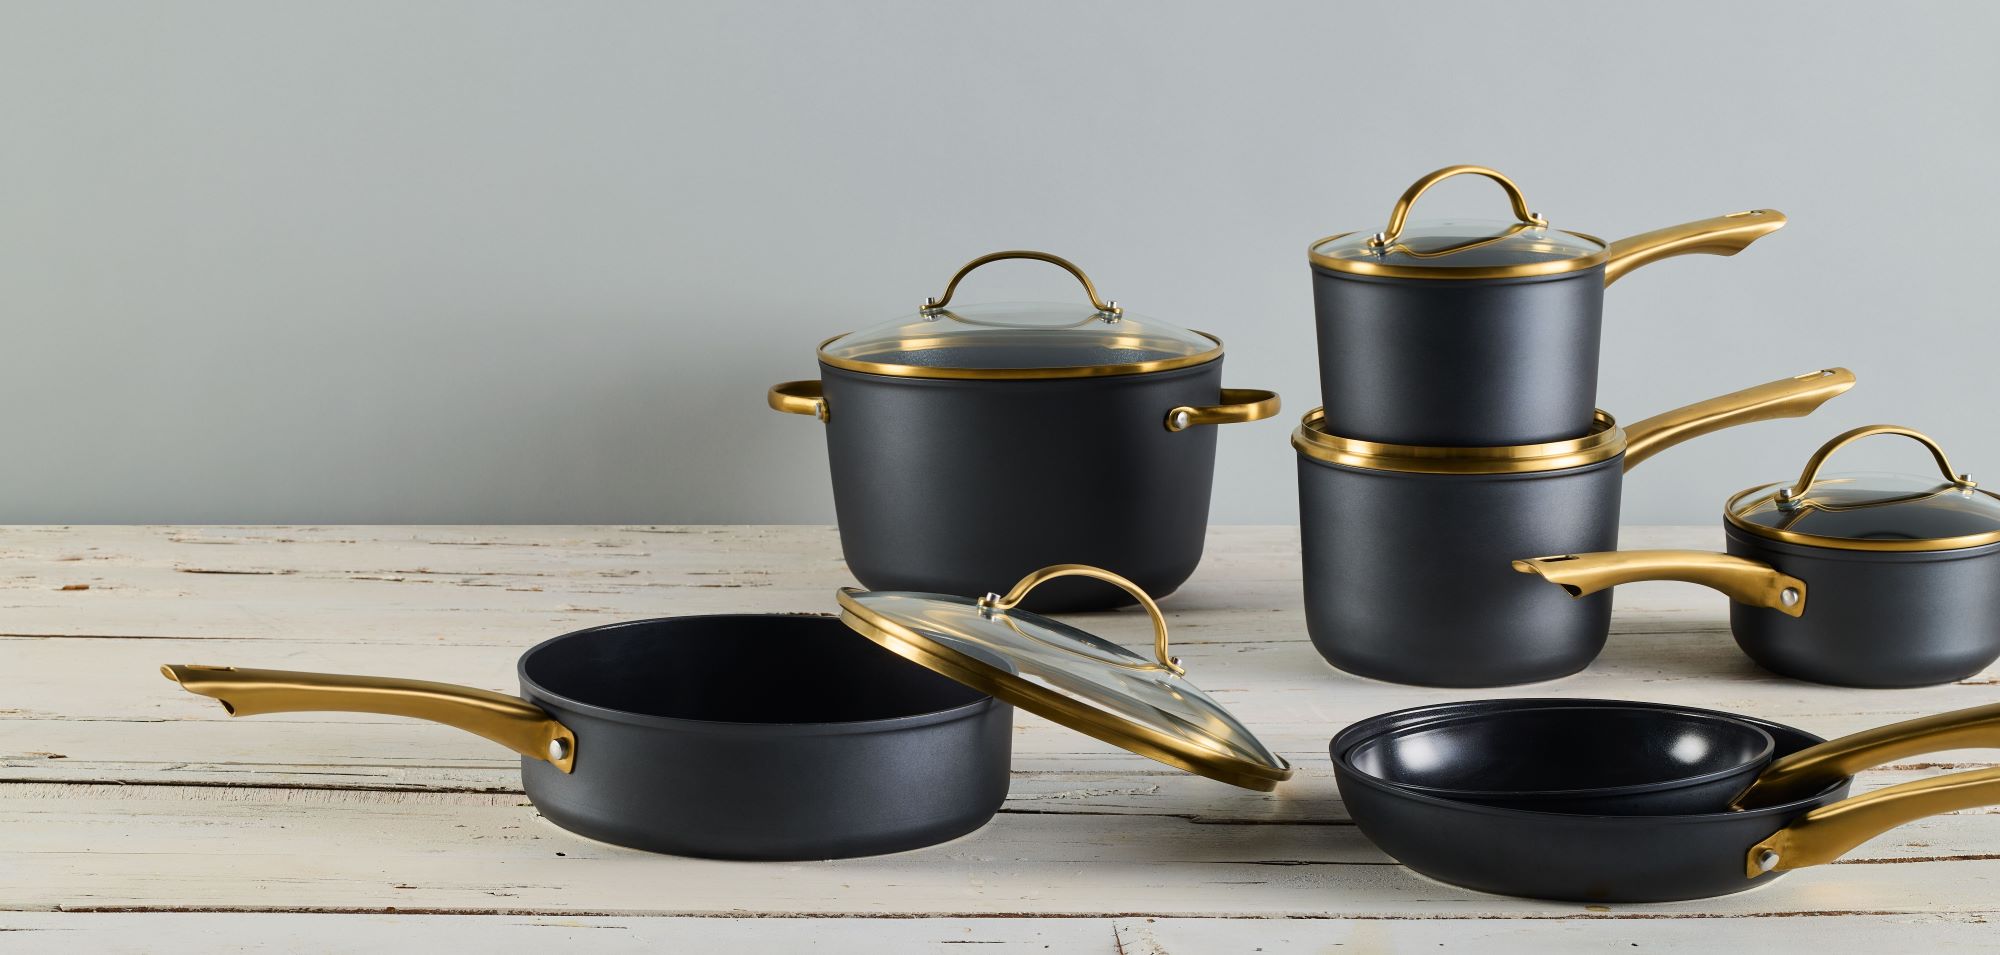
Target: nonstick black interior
1572, 758
740, 669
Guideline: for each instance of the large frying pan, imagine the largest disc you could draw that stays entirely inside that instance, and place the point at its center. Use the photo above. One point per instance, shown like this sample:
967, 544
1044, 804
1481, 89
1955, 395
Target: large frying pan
1655, 858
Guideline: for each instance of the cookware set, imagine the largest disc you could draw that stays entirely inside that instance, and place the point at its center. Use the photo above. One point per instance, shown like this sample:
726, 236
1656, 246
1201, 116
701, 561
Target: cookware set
1458, 455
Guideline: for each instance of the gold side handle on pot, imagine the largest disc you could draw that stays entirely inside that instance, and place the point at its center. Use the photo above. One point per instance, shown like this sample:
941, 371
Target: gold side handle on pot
1722, 235
1745, 581
1812, 769
798, 397
1400, 215
1829, 832
1238, 405
1037, 578
1793, 397
1109, 310
510, 721
1790, 498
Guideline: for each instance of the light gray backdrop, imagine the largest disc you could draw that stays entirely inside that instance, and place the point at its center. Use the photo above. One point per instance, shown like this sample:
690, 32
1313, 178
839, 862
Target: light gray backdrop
527, 261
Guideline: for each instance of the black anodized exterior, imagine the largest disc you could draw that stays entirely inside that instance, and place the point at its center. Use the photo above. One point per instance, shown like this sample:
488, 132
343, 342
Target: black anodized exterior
964, 486
1560, 856
1409, 578
761, 737
1881, 619
1440, 362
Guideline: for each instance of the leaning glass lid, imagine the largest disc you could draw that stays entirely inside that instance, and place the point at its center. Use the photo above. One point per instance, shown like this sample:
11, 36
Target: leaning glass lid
1460, 248
1872, 511
1019, 339
1077, 679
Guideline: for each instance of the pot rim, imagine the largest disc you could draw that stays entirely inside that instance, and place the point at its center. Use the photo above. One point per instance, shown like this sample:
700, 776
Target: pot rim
1021, 374
541, 695
1450, 273
1880, 546
1606, 441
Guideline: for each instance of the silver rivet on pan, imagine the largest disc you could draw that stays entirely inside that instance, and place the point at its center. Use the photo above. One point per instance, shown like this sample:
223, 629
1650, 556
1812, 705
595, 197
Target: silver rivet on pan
1767, 860
1180, 420
1789, 596
558, 750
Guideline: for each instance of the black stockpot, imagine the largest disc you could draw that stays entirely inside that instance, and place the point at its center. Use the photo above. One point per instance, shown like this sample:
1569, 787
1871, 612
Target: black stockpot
1803, 821
792, 736
1877, 581
1407, 576
1478, 333
976, 445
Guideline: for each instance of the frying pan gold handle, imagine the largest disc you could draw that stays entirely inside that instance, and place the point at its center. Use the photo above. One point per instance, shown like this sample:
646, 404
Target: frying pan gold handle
1400, 215
1790, 497
798, 397
510, 721
1829, 832
1722, 235
1793, 397
1238, 405
1810, 770
1745, 581
1046, 574
1108, 309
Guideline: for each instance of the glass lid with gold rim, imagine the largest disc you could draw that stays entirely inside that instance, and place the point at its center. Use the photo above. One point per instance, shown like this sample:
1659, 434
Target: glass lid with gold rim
1075, 678
1872, 511
1019, 340
1461, 248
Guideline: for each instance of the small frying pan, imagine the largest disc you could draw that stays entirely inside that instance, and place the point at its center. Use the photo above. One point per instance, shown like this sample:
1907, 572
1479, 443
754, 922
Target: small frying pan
1657, 858
1635, 759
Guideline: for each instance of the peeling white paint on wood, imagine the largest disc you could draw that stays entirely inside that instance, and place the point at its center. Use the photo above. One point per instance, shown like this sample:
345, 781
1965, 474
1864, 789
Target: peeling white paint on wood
120, 794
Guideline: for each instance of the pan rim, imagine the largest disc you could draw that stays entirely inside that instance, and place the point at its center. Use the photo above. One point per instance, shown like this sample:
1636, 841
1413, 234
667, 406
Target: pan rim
537, 693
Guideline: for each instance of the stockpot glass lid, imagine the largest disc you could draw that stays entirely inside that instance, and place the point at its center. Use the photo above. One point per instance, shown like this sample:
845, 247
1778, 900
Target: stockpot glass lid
1019, 340
1070, 676
1872, 511
1460, 248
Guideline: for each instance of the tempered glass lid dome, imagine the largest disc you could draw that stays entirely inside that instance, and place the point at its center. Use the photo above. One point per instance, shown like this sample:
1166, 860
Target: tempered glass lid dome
1872, 511
1075, 678
1463, 248
1019, 340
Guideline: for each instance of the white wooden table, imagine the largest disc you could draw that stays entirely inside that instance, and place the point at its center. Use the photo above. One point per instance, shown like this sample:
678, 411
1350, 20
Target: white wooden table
134, 816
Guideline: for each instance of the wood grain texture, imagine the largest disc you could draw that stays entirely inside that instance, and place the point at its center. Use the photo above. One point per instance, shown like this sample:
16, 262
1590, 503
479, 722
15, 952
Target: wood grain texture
134, 815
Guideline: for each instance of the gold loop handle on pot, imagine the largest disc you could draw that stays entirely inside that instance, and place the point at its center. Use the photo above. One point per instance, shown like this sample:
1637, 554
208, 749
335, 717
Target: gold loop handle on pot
1109, 309
1744, 581
1399, 216
1238, 405
1720, 235
1791, 497
1827, 833
1046, 574
1792, 397
508, 720
798, 397
1810, 770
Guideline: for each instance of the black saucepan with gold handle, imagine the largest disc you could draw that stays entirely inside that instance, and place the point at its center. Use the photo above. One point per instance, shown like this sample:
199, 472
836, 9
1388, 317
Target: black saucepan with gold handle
1479, 333
976, 442
1869, 580
1804, 819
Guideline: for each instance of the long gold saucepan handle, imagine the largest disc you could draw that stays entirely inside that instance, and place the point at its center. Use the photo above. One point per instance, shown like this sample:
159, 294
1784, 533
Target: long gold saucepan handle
510, 721
1745, 581
1810, 770
1792, 397
1722, 235
1827, 833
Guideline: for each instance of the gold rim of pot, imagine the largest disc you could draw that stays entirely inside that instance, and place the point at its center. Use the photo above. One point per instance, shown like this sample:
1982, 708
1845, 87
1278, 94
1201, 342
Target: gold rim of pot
1794, 497
1605, 441
1018, 374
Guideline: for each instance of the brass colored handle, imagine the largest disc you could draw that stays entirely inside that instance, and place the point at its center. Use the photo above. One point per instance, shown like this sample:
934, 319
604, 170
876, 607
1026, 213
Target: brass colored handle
1810, 770
1827, 833
1722, 235
1399, 216
798, 397
1793, 397
510, 721
1109, 309
1046, 574
1745, 581
1789, 498
1238, 405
